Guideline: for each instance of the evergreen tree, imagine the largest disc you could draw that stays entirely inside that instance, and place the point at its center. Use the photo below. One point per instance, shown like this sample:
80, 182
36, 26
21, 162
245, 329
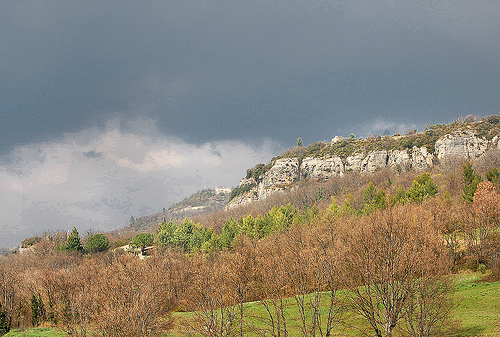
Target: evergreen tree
493, 176
142, 240
97, 243
34, 310
4, 322
422, 187
471, 180
73, 243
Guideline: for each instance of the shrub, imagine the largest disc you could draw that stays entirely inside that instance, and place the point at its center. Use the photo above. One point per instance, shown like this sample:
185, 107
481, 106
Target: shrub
97, 243
26, 243
142, 240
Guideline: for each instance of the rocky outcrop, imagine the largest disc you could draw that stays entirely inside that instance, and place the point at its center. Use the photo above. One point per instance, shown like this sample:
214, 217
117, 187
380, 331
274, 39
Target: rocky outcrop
321, 168
400, 160
462, 145
284, 172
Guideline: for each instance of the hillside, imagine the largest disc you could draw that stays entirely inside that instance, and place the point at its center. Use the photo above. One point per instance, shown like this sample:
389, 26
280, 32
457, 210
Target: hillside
445, 144
202, 202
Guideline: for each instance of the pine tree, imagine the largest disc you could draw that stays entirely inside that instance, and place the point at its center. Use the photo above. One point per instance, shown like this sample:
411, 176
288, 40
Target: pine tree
73, 244
471, 180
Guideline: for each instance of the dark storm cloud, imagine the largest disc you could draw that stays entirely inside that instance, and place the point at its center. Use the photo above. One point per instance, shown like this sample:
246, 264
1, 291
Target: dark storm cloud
208, 70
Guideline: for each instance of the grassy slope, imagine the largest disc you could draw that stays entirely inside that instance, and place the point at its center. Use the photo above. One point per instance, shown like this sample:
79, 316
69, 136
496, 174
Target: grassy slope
478, 306
477, 310
38, 332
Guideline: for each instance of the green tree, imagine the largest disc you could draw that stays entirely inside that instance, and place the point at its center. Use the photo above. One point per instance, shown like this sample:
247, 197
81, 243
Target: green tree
422, 187
493, 176
400, 195
200, 235
4, 322
471, 180
73, 244
166, 233
183, 234
228, 232
299, 142
142, 240
373, 199
369, 193
37, 309
97, 243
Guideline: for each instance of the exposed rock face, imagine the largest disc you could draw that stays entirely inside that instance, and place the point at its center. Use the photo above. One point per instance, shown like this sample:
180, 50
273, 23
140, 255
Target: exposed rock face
322, 168
400, 160
375, 160
421, 159
283, 173
286, 171
353, 163
462, 144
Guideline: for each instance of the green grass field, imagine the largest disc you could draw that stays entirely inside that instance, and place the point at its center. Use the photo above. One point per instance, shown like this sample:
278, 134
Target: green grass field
38, 332
477, 312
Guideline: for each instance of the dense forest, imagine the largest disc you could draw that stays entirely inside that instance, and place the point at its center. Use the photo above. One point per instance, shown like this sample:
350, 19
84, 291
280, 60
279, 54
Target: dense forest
382, 246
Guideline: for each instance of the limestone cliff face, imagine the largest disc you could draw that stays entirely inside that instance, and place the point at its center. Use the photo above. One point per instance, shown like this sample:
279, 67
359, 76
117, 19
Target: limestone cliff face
462, 144
400, 160
286, 171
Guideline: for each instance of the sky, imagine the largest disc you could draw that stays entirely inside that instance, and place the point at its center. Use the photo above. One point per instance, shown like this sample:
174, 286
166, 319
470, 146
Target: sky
112, 109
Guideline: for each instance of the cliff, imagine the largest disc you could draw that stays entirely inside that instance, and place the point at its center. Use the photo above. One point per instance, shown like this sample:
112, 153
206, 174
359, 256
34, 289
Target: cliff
465, 140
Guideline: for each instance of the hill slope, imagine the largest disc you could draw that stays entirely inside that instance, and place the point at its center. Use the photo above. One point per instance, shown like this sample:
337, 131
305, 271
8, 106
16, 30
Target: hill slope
202, 202
441, 144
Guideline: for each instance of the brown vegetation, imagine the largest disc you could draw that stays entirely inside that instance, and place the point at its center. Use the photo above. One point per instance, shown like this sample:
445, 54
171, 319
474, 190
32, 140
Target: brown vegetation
391, 256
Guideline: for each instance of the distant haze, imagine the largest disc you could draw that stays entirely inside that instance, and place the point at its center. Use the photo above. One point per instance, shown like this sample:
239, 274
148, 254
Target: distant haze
112, 109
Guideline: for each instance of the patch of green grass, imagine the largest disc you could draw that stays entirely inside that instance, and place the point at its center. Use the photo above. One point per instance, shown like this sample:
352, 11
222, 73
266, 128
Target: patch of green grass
477, 305
36, 332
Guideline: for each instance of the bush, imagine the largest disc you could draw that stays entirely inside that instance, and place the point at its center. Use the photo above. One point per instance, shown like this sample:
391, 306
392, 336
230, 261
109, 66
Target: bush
142, 240
97, 243
26, 243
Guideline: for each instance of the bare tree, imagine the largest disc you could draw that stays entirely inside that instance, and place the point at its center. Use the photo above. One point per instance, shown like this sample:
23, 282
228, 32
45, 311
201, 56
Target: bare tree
211, 301
273, 288
385, 256
134, 298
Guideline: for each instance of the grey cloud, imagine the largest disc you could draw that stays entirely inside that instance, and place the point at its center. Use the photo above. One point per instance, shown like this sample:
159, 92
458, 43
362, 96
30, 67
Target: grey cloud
69, 189
92, 154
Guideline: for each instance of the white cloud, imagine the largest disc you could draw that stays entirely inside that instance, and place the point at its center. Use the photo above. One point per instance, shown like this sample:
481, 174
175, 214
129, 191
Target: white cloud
98, 178
384, 127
